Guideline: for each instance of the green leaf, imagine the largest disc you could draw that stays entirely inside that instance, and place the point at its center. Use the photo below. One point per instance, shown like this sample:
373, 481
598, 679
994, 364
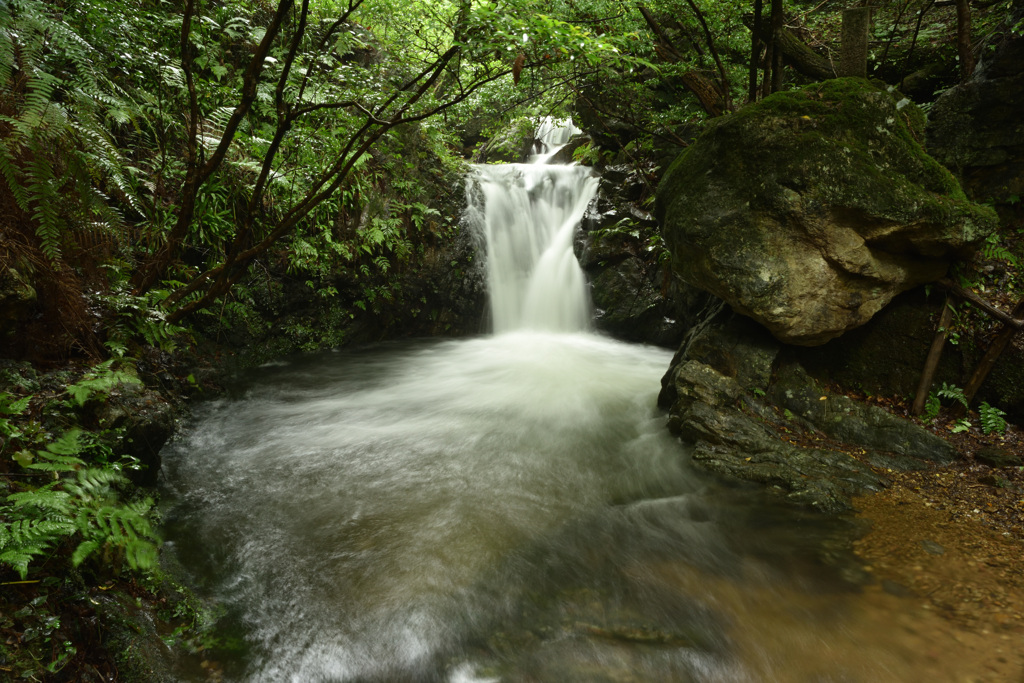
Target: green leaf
82, 552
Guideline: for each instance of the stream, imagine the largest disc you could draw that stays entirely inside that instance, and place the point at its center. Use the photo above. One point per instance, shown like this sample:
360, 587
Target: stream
506, 508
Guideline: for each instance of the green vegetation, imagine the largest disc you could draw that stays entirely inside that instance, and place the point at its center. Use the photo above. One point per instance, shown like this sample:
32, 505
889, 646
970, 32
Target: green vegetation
992, 419
284, 175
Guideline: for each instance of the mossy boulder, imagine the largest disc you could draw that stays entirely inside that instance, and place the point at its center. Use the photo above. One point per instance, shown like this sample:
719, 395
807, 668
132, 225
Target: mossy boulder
812, 209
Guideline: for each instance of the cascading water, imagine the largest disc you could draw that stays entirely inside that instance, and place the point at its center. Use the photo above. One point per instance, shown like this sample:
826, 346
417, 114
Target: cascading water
507, 508
528, 214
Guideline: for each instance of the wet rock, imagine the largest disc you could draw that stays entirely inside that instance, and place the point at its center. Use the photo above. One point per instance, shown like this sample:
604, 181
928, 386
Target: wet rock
131, 634
753, 413
735, 346
629, 303
810, 211
853, 422
566, 153
616, 174
734, 443
994, 456
697, 382
147, 421
622, 252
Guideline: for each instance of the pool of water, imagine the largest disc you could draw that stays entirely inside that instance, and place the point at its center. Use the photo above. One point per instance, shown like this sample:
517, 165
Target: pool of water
504, 508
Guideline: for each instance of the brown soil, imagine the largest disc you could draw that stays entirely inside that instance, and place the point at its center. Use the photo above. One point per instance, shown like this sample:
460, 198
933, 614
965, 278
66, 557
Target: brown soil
950, 540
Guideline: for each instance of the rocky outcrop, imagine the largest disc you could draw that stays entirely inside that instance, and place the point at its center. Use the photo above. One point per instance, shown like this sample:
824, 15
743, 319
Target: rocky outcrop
885, 357
636, 296
811, 210
753, 413
976, 128
146, 421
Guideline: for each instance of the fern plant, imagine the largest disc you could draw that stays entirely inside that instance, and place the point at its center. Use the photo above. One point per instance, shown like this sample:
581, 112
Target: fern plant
99, 381
992, 419
79, 504
933, 405
993, 250
954, 393
961, 425
57, 157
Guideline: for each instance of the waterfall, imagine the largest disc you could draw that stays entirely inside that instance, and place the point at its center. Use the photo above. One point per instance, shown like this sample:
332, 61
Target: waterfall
528, 215
503, 508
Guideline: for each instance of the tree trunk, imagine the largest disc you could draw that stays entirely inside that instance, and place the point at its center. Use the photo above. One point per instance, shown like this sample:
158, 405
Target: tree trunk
934, 354
778, 21
796, 52
963, 38
756, 45
707, 92
999, 344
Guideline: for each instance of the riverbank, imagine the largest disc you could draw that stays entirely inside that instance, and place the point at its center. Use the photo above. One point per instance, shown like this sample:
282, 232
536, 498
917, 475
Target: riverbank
948, 542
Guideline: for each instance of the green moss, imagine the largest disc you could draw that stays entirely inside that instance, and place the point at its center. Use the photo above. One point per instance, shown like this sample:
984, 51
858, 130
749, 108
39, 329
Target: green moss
845, 142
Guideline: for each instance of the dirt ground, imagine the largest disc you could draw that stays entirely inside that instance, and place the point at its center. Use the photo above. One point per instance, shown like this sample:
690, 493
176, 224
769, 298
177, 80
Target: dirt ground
950, 540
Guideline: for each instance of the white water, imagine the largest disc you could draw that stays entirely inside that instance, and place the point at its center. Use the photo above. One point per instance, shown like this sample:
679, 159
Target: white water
489, 509
529, 214
359, 512
357, 509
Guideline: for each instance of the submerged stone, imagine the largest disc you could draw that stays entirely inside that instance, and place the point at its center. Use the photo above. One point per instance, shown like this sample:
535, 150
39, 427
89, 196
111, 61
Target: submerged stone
810, 210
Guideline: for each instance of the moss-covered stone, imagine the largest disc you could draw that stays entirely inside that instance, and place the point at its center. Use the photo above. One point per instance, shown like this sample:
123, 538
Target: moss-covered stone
810, 210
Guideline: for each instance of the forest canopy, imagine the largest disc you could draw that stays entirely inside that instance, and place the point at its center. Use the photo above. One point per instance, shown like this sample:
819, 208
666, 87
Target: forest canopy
153, 153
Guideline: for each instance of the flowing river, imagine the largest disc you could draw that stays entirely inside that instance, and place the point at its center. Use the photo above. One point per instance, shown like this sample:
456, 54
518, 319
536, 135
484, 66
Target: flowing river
503, 508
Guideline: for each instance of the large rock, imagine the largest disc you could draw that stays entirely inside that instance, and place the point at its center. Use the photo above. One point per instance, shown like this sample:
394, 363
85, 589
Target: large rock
810, 210
753, 414
737, 443
636, 295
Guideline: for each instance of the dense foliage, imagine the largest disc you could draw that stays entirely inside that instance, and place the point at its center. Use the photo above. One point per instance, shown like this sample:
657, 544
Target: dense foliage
164, 164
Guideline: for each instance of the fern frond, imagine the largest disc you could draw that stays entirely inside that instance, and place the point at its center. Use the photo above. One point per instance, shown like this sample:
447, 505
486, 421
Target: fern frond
39, 98
83, 551
29, 538
6, 56
13, 175
18, 559
95, 481
141, 554
44, 499
55, 463
9, 407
